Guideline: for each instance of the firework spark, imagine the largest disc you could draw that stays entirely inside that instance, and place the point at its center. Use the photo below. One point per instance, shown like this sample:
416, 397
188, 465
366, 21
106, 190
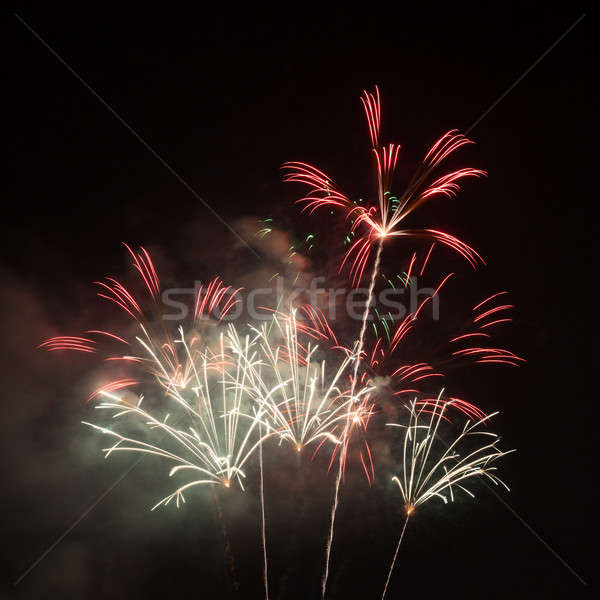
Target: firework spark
219, 436
302, 400
160, 356
432, 469
383, 219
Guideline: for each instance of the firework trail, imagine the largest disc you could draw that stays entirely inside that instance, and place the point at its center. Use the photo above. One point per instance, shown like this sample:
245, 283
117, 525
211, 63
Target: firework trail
387, 581
426, 475
341, 461
229, 557
291, 405
263, 520
382, 219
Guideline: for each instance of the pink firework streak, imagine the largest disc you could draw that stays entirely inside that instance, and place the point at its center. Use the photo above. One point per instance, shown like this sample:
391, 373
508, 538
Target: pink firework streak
212, 302
409, 380
383, 219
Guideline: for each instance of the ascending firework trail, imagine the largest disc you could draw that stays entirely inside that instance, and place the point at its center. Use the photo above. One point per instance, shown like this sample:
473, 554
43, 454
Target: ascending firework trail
382, 220
338, 478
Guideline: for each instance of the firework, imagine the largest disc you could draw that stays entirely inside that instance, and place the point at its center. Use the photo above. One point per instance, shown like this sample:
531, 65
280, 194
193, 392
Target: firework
410, 378
186, 370
199, 425
303, 404
383, 218
308, 402
302, 400
216, 429
432, 469
214, 397
161, 356
215, 405
219, 435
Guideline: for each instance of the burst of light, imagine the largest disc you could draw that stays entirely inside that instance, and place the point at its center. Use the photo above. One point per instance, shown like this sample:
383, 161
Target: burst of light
301, 396
430, 468
161, 357
215, 426
382, 219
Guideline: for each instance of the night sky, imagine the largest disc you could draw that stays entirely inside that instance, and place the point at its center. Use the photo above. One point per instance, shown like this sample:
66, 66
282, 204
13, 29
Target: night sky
224, 99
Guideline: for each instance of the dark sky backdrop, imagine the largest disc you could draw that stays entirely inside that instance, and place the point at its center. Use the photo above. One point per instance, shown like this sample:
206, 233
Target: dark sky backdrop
225, 99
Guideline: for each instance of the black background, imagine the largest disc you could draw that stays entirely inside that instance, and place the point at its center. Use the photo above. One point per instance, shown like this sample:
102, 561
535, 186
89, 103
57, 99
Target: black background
225, 99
